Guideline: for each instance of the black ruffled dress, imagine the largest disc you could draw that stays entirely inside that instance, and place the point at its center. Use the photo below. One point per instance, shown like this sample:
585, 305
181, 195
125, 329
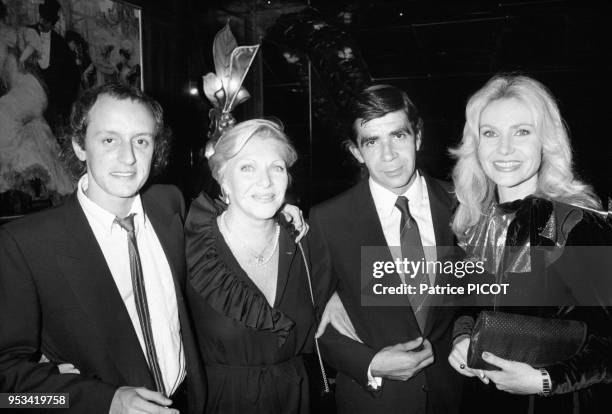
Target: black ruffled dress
253, 353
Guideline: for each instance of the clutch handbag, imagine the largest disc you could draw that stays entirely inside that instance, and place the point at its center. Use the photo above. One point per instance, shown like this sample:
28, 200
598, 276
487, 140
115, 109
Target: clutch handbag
535, 341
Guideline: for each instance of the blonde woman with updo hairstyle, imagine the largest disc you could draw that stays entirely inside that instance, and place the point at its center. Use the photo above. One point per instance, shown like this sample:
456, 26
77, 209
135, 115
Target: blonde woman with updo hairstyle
247, 286
522, 211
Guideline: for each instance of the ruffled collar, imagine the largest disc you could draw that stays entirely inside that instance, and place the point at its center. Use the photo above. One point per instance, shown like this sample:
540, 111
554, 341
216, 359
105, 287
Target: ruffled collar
217, 282
503, 238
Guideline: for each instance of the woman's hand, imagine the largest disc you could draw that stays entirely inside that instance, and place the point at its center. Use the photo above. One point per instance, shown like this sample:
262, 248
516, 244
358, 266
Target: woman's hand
63, 368
458, 359
514, 377
335, 313
294, 215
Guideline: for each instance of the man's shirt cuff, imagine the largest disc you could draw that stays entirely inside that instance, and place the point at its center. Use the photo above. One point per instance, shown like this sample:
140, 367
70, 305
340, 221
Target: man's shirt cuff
373, 382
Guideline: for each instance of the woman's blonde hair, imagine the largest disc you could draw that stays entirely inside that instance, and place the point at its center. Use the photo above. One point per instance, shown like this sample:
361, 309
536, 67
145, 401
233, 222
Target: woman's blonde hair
234, 140
556, 179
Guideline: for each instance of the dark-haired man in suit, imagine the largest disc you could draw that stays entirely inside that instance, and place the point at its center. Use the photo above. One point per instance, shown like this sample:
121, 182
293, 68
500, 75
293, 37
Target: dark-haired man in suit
97, 282
401, 364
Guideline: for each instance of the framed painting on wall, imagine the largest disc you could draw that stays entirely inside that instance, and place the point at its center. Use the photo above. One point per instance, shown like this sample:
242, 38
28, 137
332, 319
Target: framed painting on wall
50, 50
113, 32
104, 36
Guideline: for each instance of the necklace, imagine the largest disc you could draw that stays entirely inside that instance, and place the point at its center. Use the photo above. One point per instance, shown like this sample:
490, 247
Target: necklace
254, 258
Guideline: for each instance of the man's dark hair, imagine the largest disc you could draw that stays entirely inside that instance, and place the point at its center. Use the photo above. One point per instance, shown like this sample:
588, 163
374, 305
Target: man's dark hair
79, 120
377, 101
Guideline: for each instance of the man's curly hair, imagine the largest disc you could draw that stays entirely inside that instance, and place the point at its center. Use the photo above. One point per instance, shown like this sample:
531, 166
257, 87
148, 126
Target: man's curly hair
79, 120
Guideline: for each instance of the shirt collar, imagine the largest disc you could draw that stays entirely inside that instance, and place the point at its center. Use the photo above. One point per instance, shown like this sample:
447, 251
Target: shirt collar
385, 199
104, 218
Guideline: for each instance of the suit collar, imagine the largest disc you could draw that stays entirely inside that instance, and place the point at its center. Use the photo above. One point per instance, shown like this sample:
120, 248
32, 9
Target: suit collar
103, 220
367, 223
384, 199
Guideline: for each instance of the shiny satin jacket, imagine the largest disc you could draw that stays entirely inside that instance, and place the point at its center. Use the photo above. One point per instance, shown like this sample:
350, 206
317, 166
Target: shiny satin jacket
558, 261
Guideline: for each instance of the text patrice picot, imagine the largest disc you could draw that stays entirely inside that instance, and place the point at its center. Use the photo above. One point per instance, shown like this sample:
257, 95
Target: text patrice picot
410, 269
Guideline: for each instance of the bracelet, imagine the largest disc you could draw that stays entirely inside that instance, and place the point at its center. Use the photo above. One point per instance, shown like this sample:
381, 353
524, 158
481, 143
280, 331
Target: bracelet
546, 383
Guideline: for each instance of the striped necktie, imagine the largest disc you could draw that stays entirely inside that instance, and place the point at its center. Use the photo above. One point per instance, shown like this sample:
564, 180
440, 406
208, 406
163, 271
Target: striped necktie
140, 297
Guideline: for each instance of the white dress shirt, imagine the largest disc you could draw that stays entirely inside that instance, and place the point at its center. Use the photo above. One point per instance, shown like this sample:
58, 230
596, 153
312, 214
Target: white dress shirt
159, 285
390, 218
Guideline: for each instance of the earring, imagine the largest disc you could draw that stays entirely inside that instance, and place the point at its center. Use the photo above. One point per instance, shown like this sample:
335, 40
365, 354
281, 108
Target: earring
225, 196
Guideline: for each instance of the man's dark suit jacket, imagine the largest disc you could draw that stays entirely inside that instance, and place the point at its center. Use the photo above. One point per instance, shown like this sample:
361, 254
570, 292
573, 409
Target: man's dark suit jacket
340, 227
58, 297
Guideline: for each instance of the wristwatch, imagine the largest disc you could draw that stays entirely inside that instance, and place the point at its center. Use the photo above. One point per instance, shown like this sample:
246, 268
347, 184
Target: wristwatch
546, 383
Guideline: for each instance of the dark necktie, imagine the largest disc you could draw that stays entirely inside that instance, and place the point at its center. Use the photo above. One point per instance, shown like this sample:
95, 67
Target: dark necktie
412, 249
140, 297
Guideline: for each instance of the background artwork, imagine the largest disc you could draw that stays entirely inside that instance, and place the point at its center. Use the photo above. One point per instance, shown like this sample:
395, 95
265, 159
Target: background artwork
104, 34
50, 50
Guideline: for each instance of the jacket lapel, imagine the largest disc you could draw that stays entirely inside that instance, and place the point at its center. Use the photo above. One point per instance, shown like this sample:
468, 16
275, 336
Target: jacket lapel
368, 232
366, 222
85, 269
441, 205
168, 227
169, 230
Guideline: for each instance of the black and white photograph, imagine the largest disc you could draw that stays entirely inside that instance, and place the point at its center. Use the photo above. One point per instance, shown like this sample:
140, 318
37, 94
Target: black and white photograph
305, 206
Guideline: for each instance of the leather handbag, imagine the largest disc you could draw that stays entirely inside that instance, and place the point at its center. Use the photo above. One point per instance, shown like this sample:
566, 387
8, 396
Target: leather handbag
533, 340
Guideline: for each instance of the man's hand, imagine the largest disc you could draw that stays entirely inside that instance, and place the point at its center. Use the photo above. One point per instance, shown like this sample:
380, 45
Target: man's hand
514, 377
294, 215
128, 400
401, 362
336, 314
